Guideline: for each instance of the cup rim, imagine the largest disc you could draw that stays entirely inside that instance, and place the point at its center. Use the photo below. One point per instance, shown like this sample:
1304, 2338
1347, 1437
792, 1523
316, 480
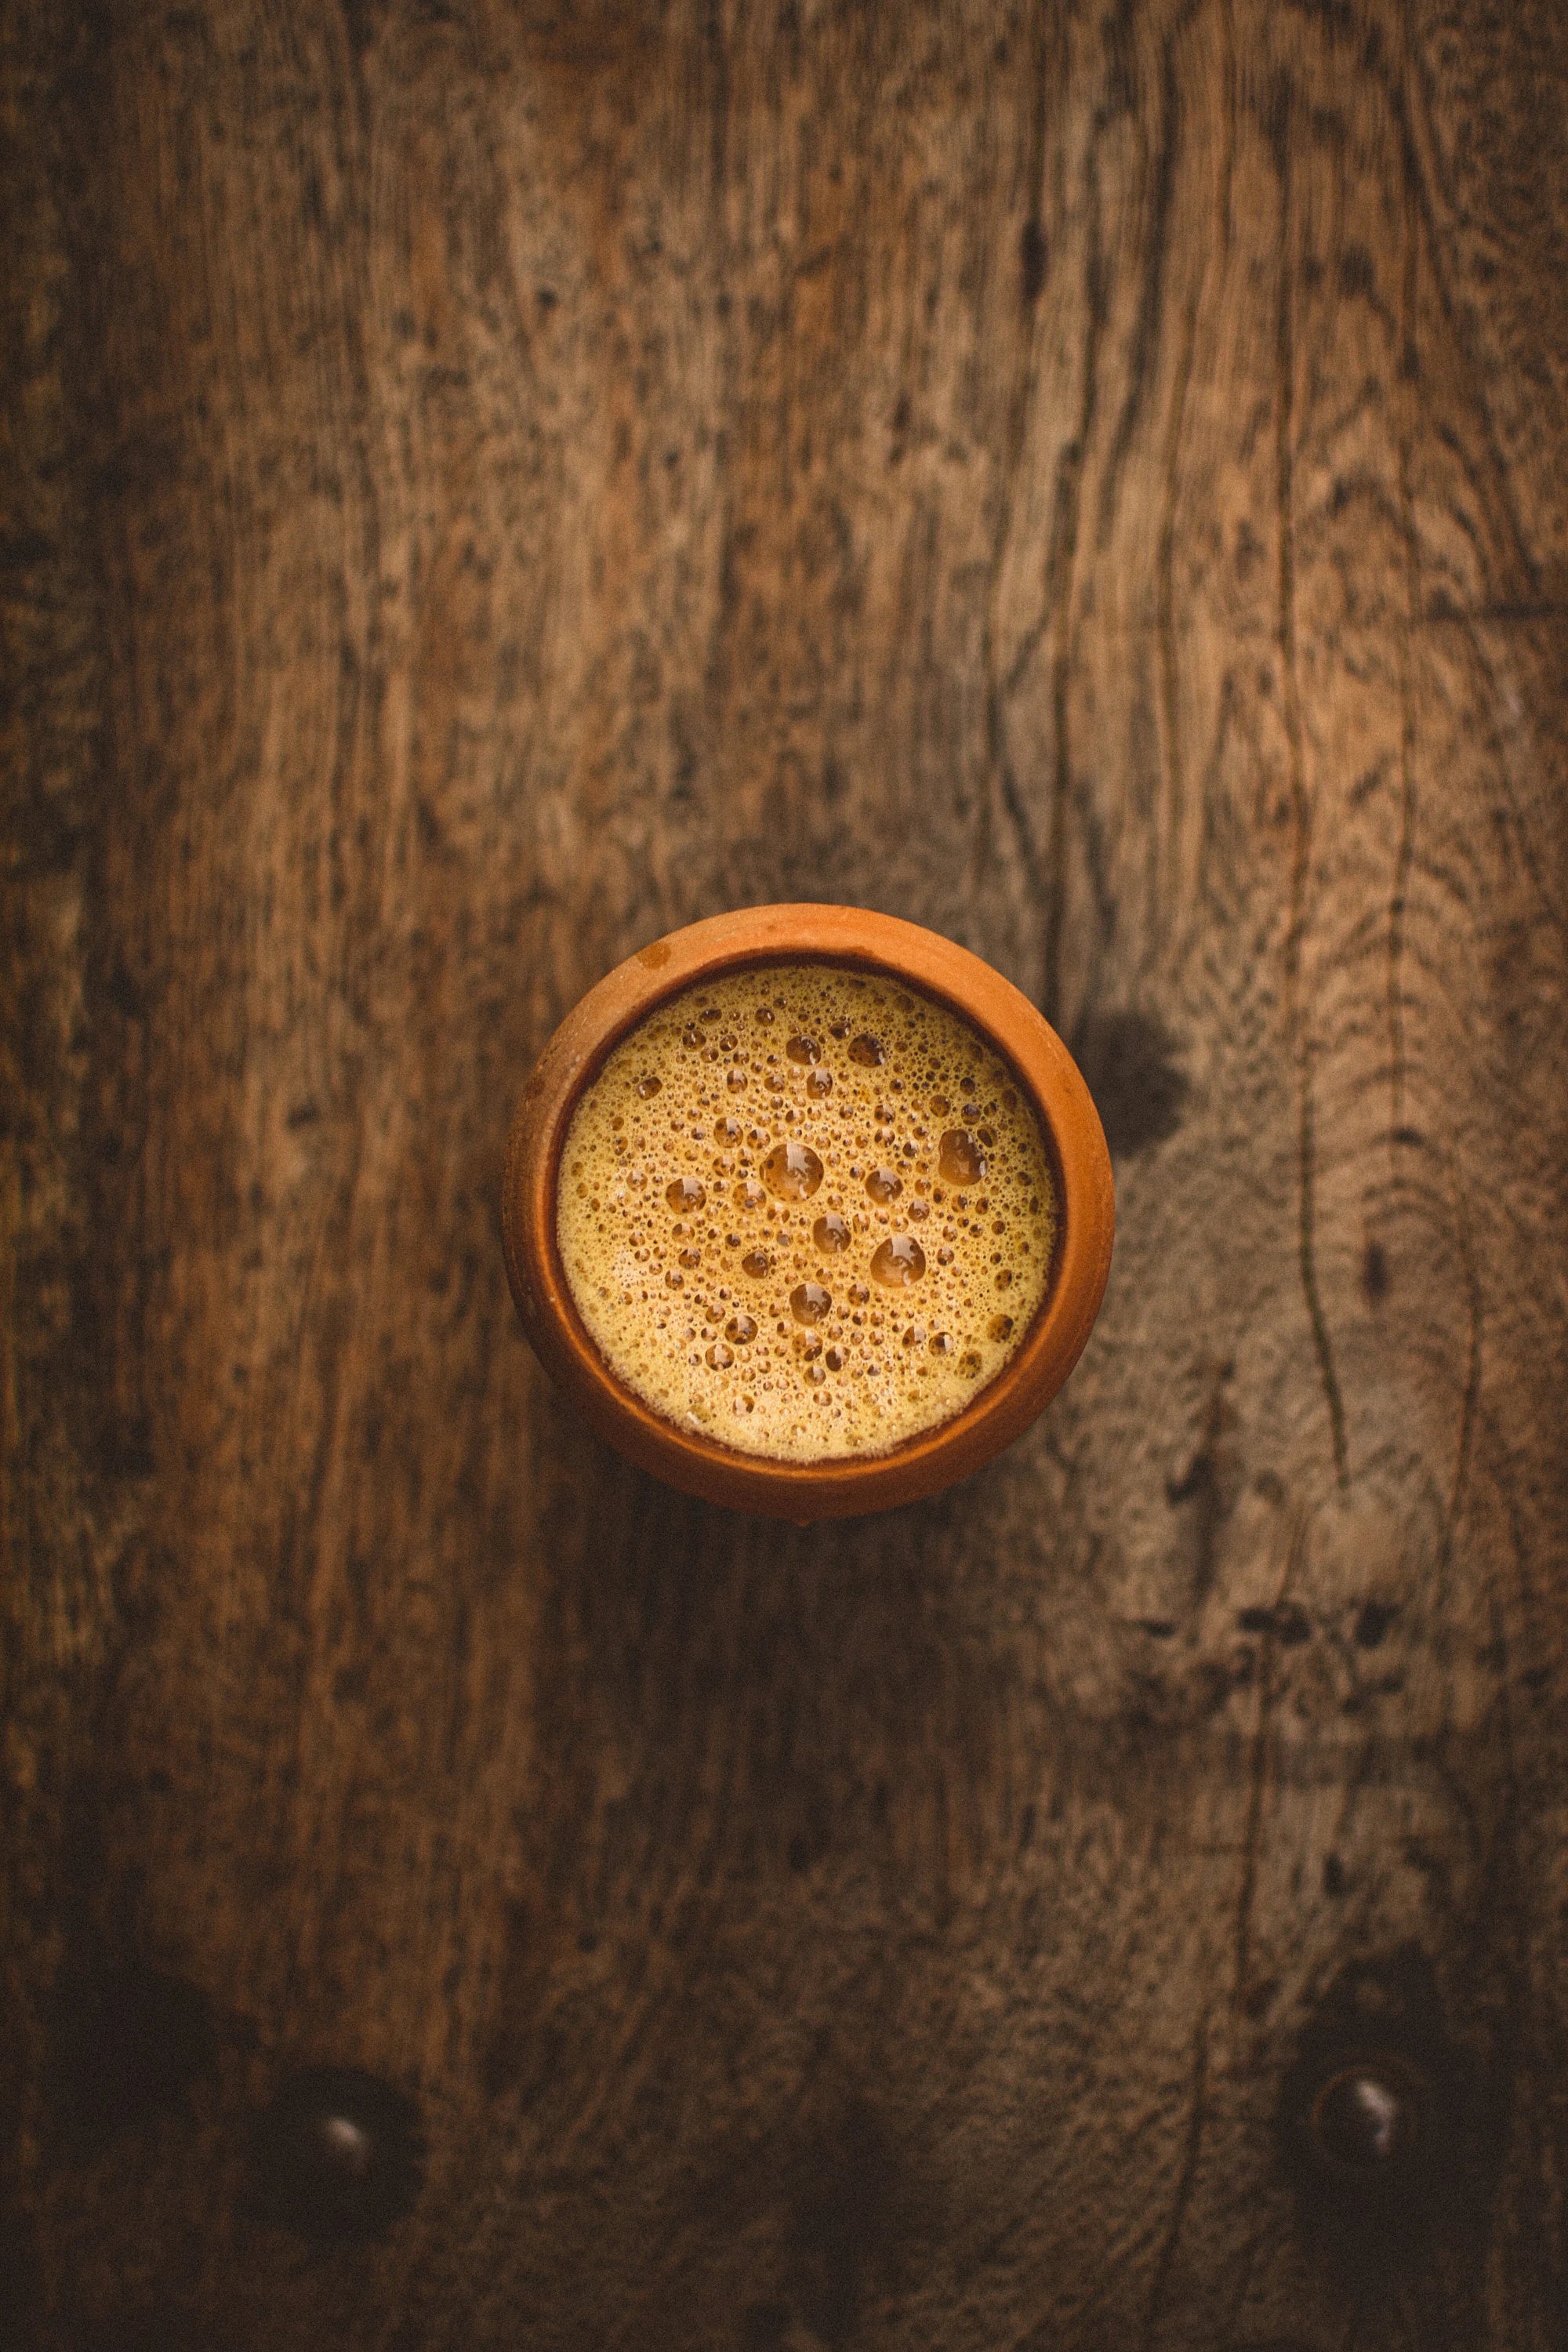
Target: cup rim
937, 968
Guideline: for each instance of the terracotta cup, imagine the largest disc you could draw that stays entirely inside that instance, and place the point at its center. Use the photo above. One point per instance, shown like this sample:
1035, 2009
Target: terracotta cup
847, 936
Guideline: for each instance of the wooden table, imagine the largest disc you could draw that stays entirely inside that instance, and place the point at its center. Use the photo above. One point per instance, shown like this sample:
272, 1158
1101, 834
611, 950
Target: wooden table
485, 484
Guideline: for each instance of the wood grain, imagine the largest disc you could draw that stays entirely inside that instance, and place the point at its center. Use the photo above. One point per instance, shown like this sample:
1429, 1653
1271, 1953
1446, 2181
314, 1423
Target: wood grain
484, 485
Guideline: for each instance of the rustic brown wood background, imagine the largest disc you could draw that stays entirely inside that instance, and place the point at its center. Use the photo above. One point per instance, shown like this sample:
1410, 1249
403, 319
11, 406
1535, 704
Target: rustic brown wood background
485, 484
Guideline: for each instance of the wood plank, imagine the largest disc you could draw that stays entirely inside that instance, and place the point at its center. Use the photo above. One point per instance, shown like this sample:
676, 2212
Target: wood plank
485, 487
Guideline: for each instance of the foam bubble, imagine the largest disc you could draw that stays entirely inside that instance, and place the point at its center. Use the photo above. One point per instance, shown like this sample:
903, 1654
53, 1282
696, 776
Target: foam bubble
787, 1205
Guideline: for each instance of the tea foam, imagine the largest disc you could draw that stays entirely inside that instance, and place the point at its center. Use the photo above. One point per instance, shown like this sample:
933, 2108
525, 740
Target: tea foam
805, 1212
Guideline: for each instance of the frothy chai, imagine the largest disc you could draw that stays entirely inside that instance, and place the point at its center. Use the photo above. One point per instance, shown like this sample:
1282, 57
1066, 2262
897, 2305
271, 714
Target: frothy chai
805, 1212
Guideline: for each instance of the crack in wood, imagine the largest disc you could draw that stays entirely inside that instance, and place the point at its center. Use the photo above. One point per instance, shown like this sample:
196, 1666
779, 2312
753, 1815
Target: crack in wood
1187, 2181
1404, 362
1148, 327
1168, 888
998, 757
1298, 1019
1471, 1394
1060, 577
1260, 1767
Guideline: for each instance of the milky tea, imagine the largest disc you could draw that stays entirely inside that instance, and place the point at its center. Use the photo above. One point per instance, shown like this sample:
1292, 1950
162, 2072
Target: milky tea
805, 1212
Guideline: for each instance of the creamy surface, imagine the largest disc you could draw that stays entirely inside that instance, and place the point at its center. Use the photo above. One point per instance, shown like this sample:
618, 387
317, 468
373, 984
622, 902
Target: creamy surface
805, 1212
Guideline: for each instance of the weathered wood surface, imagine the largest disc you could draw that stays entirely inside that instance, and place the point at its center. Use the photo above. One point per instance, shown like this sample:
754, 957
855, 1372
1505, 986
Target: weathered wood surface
483, 486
